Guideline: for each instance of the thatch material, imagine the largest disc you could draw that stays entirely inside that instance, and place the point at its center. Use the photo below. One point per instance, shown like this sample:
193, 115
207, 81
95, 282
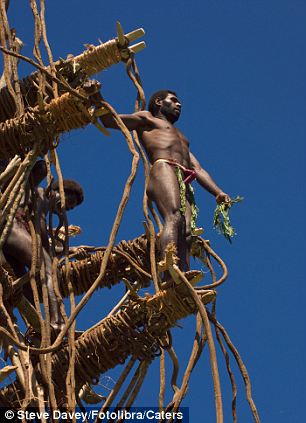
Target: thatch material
74, 70
40, 127
129, 259
135, 330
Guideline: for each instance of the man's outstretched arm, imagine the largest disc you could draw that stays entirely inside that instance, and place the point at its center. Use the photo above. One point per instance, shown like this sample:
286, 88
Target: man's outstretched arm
206, 181
132, 121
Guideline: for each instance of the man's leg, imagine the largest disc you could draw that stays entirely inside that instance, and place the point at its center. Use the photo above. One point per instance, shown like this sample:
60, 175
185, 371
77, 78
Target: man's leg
56, 319
18, 251
163, 189
188, 235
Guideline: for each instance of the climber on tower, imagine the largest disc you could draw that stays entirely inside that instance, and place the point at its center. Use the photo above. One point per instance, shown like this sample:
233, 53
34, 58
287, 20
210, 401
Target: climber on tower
173, 169
17, 248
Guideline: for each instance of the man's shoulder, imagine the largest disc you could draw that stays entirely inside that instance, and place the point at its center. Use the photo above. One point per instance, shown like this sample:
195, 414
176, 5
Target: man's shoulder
145, 119
145, 114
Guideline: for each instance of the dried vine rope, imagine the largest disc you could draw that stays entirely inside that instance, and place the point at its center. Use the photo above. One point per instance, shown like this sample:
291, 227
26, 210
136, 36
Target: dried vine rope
134, 330
129, 259
133, 74
144, 348
116, 224
10, 68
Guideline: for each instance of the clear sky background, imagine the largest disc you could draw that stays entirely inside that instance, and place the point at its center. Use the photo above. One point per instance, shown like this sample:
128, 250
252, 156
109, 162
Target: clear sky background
239, 68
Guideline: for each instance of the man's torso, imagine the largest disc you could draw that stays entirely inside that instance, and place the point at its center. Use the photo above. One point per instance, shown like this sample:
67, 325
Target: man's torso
162, 140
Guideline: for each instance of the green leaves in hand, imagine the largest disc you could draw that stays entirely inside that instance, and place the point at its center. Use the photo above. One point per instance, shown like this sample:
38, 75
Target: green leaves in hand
221, 218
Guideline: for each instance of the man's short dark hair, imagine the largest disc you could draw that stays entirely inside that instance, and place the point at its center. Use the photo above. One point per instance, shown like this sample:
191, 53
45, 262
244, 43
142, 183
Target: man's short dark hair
71, 186
162, 94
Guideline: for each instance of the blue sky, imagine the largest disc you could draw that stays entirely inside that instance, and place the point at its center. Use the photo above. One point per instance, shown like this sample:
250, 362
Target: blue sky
239, 69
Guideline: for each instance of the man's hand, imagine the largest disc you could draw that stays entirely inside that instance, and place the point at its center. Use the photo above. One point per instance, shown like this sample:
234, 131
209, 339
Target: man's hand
222, 197
91, 89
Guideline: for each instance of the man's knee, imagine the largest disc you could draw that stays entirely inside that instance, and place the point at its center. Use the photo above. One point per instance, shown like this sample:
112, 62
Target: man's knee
174, 218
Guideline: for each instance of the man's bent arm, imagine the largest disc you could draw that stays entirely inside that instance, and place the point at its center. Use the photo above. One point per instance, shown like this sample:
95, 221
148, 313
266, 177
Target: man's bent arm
206, 181
132, 121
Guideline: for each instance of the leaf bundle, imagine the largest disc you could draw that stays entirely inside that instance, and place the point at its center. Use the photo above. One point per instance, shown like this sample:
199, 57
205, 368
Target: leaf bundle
222, 220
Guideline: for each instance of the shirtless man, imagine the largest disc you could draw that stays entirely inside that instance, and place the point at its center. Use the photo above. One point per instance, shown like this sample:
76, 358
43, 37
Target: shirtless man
18, 246
169, 154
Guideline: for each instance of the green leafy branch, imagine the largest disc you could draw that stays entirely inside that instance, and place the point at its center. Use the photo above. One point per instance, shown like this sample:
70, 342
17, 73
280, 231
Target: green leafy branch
221, 218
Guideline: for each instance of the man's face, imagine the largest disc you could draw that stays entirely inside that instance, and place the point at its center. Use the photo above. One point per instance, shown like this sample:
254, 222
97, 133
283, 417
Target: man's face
170, 107
70, 200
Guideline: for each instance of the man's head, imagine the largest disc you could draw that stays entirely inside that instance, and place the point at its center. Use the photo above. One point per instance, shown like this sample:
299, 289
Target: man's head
73, 194
166, 103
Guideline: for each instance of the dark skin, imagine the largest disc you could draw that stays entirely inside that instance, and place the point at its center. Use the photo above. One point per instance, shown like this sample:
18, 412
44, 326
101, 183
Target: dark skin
18, 246
162, 140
